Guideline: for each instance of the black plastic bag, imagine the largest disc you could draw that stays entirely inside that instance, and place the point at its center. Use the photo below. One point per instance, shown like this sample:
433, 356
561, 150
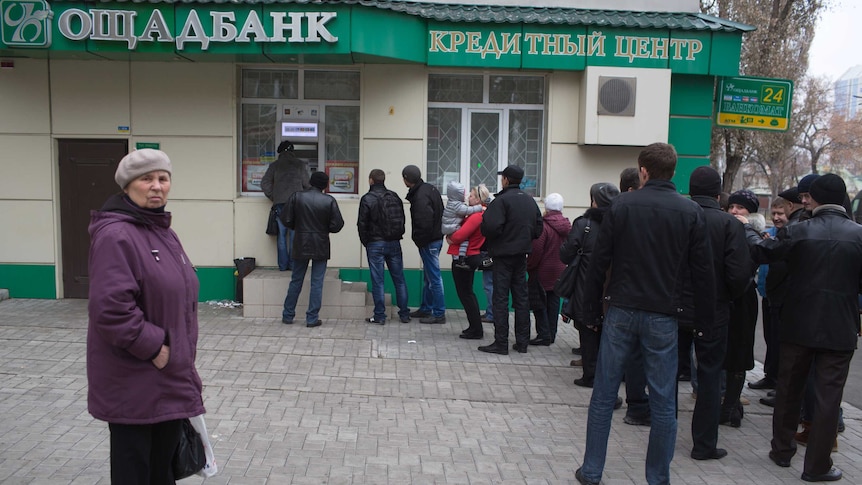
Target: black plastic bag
244, 266
190, 456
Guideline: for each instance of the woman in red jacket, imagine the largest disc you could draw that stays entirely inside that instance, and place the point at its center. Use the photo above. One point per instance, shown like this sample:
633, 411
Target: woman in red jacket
463, 275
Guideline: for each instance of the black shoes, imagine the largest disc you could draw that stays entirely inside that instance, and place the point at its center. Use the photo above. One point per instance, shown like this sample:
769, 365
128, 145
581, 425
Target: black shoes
522, 348
461, 263
419, 314
287, 321
584, 382
765, 383
541, 341
404, 319
433, 319
576, 350
642, 421
375, 321
832, 475
471, 336
716, 454
618, 403
485, 319
495, 348
314, 324
780, 461
768, 401
684, 377
583, 481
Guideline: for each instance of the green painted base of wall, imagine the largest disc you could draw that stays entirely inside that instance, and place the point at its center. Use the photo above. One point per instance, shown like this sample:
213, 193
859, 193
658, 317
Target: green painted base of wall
414, 286
29, 280
217, 284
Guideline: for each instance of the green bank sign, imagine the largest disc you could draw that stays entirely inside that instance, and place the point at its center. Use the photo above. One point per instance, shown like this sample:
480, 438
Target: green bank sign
346, 33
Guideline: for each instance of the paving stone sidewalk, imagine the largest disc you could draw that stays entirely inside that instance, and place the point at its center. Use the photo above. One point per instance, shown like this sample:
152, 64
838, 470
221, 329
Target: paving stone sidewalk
353, 403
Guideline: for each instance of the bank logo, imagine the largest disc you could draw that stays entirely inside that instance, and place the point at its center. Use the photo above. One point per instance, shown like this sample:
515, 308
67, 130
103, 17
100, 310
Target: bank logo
25, 23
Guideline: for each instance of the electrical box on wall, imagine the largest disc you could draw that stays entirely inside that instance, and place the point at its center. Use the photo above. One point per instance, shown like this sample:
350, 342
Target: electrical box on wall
624, 106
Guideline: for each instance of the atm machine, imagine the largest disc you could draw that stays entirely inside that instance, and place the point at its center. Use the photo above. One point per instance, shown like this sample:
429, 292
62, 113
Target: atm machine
300, 124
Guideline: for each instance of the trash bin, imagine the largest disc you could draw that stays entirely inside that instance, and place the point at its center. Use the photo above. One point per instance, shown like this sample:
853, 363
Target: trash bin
244, 266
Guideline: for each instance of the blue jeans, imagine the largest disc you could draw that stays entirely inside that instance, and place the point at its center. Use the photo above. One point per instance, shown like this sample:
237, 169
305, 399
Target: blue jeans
655, 334
432, 290
283, 241
488, 283
315, 295
388, 252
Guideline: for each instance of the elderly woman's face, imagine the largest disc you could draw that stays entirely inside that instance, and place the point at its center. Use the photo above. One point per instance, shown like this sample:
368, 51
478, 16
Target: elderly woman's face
150, 190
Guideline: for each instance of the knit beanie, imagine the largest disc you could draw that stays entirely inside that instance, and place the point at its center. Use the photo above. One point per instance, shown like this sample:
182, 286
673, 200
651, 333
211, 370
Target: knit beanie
804, 185
554, 202
791, 194
319, 180
745, 198
411, 173
138, 163
828, 189
603, 193
704, 181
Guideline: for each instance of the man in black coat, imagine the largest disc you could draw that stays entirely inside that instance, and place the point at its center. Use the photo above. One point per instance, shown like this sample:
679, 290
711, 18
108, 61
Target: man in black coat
819, 318
313, 215
732, 264
510, 224
650, 239
426, 216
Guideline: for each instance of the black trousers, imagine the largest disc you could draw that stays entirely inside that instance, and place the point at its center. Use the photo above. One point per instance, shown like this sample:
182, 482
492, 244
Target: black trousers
463, 279
709, 350
510, 276
141, 454
771, 331
831, 369
590, 351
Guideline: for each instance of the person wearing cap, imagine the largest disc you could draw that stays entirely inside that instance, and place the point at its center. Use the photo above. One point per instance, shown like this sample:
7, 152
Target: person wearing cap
283, 177
143, 324
582, 240
649, 239
544, 268
795, 207
743, 321
313, 216
820, 318
426, 218
803, 189
732, 265
510, 224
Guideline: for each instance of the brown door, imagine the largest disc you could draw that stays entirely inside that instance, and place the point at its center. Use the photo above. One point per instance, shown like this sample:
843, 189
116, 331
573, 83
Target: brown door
86, 181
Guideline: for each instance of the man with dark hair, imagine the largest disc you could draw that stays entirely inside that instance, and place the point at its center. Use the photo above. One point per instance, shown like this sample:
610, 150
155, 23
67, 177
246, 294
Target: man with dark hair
820, 319
629, 180
510, 224
645, 296
381, 227
283, 177
426, 215
313, 215
732, 265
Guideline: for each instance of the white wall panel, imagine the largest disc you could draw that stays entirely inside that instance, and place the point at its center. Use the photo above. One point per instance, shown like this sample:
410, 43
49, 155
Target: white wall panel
89, 97
577, 167
24, 100
203, 167
26, 167
28, 231
205, 229
393, 101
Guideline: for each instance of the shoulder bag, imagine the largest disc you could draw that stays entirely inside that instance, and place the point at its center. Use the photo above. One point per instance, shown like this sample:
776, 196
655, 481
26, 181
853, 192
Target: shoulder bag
565, 285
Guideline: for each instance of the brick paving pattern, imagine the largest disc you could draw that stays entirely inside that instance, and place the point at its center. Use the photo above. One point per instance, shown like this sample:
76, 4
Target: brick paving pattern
353, 403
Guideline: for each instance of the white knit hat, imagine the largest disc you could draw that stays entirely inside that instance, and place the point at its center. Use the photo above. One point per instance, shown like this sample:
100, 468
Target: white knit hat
554, 202
138, 163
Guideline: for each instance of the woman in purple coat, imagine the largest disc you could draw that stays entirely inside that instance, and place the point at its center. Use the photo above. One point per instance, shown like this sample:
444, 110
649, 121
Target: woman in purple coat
143, 330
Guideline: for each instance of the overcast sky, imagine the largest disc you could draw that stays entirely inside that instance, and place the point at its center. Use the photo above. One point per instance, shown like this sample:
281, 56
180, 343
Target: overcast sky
837, 42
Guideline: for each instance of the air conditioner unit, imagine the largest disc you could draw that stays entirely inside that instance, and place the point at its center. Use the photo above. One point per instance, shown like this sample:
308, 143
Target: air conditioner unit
624, 106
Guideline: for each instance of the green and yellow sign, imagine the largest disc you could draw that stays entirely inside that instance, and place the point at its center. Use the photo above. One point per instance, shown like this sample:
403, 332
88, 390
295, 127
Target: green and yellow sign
754, 103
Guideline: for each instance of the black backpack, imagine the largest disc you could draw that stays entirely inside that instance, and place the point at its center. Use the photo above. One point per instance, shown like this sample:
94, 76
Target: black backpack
390, 210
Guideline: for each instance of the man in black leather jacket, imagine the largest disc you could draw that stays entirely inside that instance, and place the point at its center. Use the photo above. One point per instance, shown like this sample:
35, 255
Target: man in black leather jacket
510, 224
313, 215
819, 318
649, 239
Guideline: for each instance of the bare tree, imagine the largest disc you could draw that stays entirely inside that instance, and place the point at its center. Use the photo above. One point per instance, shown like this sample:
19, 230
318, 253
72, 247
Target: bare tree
777, 49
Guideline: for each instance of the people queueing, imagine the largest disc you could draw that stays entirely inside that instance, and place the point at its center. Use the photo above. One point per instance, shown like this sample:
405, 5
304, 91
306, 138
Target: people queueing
381, 225
731, 260
742, 325
426, 216
509, 224
644, 296
820, 322
283, 177
544, 268
312, 215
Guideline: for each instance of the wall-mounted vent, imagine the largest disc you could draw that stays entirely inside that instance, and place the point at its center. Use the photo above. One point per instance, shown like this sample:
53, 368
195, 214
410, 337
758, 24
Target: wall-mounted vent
617, 95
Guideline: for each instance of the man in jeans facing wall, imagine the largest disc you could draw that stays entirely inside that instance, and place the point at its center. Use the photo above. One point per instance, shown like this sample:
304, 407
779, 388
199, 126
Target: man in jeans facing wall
426, 215
650, 239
